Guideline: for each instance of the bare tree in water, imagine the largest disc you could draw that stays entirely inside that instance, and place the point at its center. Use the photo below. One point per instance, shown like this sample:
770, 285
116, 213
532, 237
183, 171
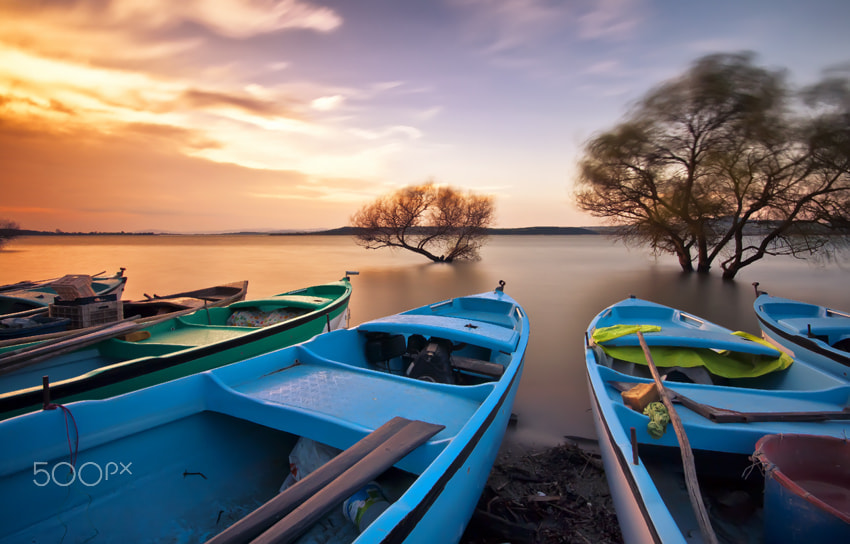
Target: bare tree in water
8, 231
440, 223
718, 165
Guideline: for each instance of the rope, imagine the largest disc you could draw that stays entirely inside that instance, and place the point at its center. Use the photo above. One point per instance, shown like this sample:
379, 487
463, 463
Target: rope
72, 450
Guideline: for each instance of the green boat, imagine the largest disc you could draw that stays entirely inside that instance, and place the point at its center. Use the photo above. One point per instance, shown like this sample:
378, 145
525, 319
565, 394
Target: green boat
128, 356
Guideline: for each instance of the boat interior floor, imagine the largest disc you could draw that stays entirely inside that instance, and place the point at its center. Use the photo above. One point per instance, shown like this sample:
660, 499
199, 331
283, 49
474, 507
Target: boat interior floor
731, 488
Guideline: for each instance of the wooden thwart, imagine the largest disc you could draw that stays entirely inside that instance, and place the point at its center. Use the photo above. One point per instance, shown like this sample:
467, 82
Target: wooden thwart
295, 509
493, 370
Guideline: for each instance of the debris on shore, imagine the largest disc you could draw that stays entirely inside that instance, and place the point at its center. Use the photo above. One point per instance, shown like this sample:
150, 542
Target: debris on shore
545, 496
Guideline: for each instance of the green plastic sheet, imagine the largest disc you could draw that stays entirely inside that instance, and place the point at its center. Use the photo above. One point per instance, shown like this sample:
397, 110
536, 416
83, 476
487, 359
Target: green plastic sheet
728, 364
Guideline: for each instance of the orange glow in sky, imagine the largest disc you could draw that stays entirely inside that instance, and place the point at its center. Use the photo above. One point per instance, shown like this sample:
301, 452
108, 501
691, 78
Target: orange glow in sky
223, 115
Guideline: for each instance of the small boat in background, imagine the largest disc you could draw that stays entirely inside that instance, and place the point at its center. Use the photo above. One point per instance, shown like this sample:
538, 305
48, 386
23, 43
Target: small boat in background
40, 327
158, 306
127, 355
729, 391
12, 328
28, 298
412, 408
817, 334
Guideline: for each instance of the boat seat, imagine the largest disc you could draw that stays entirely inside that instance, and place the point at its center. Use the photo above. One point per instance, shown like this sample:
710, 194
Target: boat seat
478, 333
821, 326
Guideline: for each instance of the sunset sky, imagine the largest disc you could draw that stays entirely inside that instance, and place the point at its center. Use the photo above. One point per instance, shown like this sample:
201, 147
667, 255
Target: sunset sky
223, 115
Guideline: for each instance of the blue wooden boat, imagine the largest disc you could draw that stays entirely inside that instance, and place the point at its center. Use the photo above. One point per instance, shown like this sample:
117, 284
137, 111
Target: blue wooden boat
729, 390
129, 355
818, 334
27, 298
203, 458
31, 325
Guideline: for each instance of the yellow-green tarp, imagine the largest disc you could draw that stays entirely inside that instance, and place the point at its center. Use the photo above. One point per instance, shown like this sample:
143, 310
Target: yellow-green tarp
724, 363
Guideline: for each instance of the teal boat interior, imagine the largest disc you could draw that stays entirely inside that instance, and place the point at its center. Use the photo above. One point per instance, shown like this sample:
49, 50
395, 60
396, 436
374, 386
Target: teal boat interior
219, 442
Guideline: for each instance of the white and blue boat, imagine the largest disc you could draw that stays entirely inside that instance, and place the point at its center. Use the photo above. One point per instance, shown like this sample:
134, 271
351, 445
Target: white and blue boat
730, 390
818, 334
417, 402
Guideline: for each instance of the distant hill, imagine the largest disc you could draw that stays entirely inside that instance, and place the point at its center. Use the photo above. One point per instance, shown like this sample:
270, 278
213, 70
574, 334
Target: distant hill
341, 231
351, 231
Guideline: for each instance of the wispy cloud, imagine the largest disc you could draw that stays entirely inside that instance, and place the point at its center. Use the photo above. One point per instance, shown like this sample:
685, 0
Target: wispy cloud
233, 18
609, 19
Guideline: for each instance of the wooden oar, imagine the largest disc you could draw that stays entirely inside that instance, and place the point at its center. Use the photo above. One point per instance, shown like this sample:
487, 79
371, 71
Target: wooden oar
261, 519
724, 415
372, 465
685, 448
35, 354
56, 337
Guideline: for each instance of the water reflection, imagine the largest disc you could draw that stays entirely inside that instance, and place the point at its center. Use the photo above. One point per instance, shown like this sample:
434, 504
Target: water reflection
562, 282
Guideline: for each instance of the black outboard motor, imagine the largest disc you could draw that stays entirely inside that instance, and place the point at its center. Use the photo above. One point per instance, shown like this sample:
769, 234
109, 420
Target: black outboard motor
433, 362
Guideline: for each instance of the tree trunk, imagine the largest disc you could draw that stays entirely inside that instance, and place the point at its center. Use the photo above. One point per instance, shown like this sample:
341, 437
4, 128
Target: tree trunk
729, 273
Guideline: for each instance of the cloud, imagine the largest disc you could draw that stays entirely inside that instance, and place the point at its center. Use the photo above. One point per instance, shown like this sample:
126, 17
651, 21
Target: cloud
610, 19
387, 132
509, 24
327, 103
232, 18
430, 113
606, 67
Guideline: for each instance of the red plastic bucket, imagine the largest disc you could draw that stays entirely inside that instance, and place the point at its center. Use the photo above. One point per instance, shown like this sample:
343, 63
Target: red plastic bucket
806, 488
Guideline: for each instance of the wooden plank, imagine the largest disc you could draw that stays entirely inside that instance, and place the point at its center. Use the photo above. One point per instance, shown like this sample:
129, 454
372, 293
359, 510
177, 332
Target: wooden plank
494, 370
261, 519
371, 466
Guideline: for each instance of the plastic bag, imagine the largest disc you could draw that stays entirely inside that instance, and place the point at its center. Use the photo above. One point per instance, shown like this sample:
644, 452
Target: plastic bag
305, 457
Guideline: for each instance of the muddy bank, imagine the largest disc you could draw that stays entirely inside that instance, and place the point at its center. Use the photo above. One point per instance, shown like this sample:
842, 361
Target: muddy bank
545, 496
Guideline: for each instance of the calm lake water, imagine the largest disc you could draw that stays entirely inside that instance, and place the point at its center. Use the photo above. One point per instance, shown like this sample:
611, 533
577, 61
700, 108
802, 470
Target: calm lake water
561, 281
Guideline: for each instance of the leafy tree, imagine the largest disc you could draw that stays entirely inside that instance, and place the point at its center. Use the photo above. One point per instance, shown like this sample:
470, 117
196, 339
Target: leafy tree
717, 165
8, 231
440, 223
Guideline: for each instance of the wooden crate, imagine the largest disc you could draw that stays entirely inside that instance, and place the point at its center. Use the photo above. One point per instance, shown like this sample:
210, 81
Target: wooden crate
88, 311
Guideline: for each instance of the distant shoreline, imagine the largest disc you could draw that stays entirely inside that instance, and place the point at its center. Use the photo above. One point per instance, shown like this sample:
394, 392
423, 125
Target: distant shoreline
342, 231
